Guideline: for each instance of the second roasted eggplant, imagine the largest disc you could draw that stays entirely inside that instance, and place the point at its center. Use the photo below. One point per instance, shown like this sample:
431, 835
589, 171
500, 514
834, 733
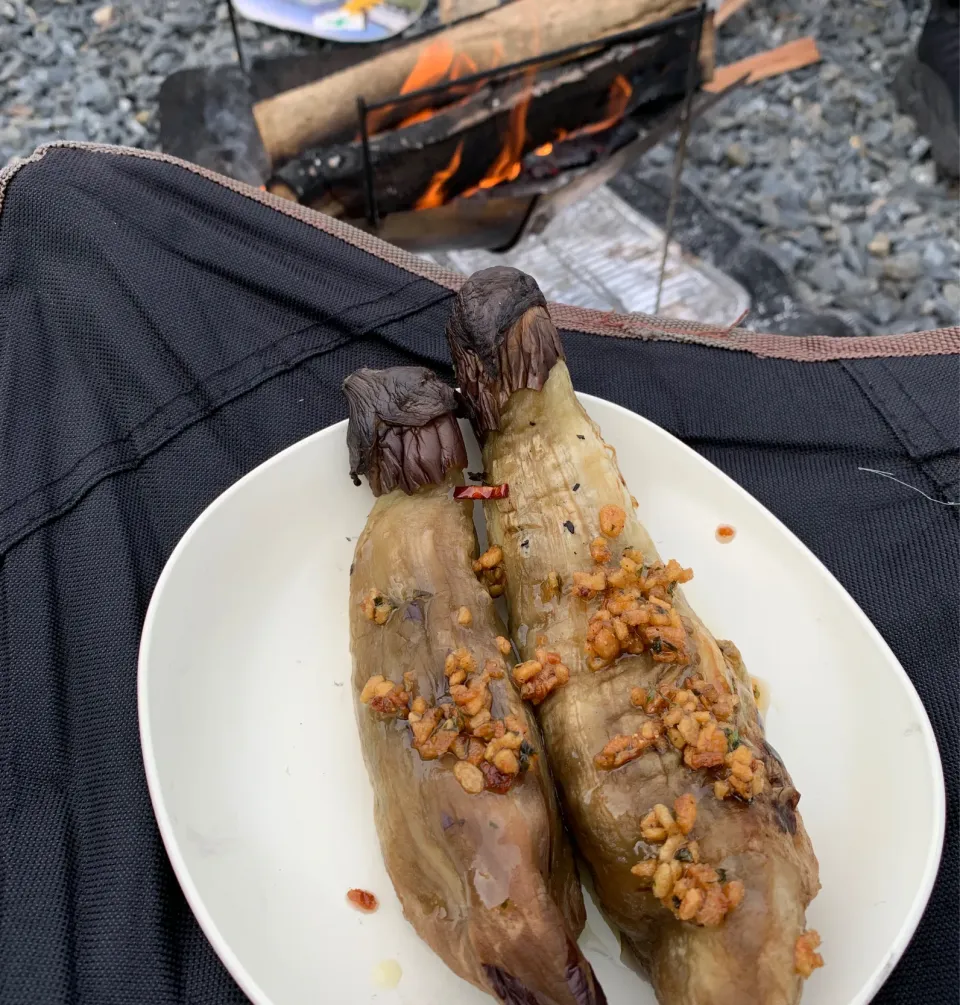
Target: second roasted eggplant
686, 815
465, 809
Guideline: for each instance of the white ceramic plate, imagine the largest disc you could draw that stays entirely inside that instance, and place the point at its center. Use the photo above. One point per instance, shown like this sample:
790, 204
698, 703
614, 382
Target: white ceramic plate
258, 783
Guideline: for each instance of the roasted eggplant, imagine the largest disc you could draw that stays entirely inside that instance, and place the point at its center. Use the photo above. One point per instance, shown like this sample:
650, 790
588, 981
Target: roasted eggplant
464, 805
685, 814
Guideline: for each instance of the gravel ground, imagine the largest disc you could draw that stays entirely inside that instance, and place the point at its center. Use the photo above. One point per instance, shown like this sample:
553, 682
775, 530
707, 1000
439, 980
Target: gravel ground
816, 165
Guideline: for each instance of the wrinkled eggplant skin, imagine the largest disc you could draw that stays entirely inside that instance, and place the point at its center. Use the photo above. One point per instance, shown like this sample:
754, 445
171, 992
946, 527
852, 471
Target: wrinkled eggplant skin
488, 881
545, 445
403, 430
491, 367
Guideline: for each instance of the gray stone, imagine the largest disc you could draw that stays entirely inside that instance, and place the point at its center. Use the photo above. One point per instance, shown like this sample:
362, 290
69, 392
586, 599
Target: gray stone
919, 148
903, 267
855, 258
823, 276
946, 314
877, 132
924, 174
738, 155
951, 293
839, 211
769, 214
880, 245
809, 238
916, 226
882, 309
935, 256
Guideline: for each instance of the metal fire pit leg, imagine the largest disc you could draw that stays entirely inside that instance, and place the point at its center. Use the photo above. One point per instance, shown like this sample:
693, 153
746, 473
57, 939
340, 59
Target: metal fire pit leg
686, 116
369, 188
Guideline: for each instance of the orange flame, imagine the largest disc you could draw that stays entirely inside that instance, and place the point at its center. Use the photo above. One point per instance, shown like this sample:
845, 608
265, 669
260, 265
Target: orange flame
508, 164
431, 68
617, 101
435, 194
437, 64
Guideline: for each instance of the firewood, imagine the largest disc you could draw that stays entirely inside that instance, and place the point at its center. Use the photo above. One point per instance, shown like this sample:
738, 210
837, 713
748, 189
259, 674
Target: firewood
294, 120
792, 56
559, 100
727, 9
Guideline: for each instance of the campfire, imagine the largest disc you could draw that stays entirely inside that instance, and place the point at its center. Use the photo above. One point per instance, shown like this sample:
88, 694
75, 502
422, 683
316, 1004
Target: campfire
479, 117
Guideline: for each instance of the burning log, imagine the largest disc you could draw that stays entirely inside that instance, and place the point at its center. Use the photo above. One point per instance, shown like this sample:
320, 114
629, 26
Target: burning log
452, 152
294, 120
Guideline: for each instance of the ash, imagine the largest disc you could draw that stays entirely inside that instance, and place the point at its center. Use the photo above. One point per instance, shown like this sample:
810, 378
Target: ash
816, 167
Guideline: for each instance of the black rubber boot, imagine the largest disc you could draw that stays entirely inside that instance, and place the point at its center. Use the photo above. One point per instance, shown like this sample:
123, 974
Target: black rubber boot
927, 86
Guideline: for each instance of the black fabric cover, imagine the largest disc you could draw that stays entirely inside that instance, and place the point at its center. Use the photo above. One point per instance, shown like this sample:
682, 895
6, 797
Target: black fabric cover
160, 335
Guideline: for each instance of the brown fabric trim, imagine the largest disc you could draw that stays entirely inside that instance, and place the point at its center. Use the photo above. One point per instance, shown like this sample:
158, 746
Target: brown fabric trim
800, 348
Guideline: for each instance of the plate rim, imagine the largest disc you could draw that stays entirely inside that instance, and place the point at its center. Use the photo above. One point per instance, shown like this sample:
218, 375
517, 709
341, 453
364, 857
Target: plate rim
181, 870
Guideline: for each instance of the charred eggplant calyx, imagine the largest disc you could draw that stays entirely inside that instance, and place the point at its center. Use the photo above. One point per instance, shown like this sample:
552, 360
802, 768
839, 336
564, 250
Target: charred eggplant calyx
502, 341
403, 430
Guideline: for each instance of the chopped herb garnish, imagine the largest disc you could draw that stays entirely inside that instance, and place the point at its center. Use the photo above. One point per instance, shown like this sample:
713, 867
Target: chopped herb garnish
733, 738
722, 874
580, 436
569, 525
351, 568
477, 476
684, 855
669, 645
676, 902
576, 485
532, 423
525, 543
657, 645
495, 826
671, 588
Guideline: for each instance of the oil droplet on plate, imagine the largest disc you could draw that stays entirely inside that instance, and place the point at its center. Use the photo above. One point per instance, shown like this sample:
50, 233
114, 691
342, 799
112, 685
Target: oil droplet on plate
386, 974
725, 533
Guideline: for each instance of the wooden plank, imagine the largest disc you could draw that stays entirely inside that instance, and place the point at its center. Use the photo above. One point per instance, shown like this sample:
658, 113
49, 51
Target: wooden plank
727, 9
792, 56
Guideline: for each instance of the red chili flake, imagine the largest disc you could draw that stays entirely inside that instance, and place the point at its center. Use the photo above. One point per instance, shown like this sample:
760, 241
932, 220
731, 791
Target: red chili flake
725, 533
363, 900
481, 491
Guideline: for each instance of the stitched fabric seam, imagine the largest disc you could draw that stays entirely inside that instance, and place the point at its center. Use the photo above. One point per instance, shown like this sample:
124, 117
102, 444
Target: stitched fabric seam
913, 452
202, 384
166, 434
170, 432
913, 401
146, 420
